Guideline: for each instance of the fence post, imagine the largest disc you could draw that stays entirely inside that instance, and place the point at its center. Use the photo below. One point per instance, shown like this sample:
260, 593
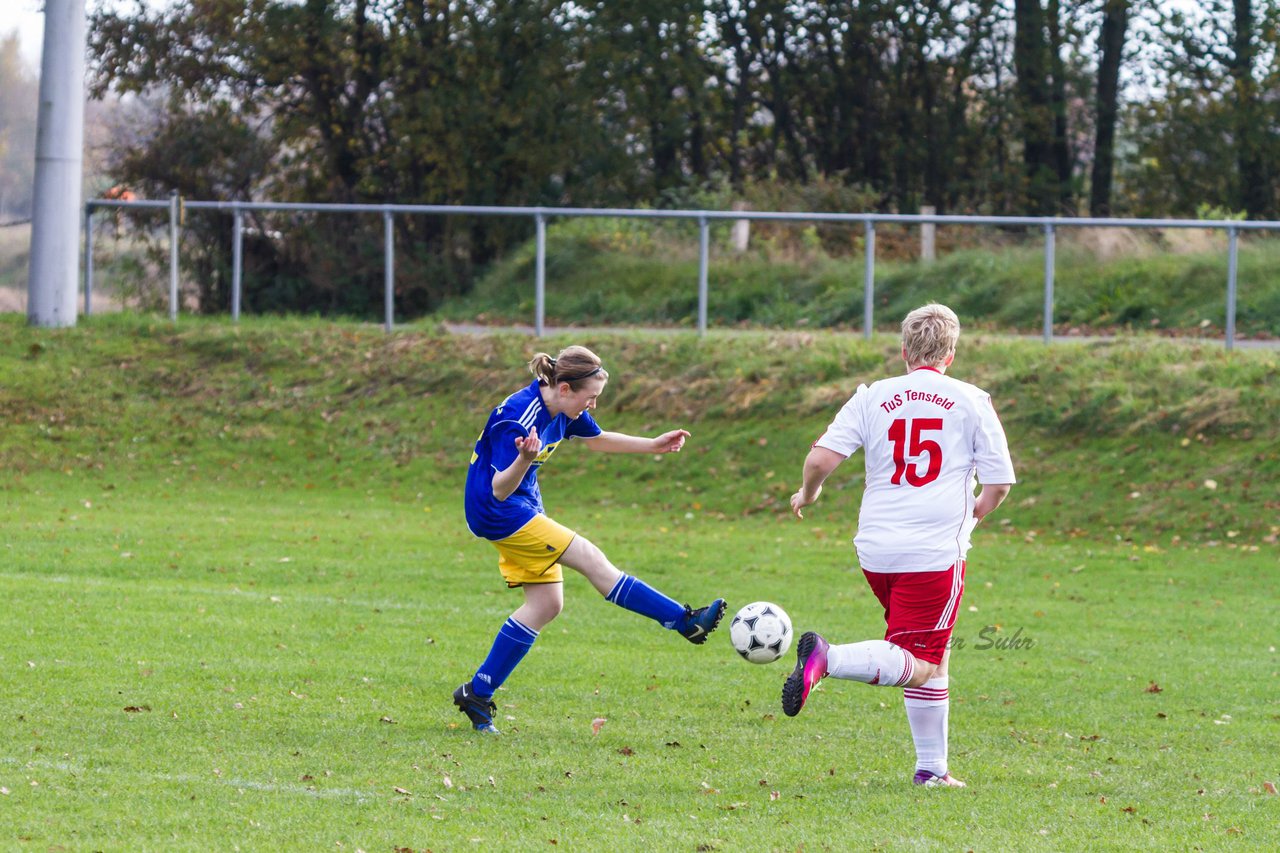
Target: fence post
740, 233
928, 235
703, 239
88, 260
869, 281
1049, 252
540, 277
237, 259
1232, 252
173, 254
388, 271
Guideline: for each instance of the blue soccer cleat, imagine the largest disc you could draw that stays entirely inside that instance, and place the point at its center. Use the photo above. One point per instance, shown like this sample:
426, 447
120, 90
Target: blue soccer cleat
697, 624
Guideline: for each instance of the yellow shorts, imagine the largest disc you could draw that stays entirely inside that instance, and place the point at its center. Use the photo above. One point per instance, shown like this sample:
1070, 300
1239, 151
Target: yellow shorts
532, 553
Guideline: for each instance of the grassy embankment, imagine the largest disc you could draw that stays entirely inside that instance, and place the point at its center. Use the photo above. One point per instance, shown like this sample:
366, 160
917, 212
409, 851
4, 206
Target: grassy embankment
241, 592
604, 272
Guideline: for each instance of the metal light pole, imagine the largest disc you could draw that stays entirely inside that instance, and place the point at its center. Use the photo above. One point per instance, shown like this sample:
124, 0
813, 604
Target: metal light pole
55, 213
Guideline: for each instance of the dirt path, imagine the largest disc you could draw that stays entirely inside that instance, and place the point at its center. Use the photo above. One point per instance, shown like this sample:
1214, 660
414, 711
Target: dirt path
13, 300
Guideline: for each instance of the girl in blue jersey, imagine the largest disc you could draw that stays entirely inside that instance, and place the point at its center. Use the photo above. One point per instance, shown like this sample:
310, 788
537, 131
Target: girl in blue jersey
504, 505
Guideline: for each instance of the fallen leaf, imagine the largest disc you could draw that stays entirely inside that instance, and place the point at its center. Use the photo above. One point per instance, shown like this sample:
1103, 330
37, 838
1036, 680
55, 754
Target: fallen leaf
134, 709
388, 721
448, 783
773, 795
1154, 688
1129, 810
400, 790
1269, 787
597, 724
626, 750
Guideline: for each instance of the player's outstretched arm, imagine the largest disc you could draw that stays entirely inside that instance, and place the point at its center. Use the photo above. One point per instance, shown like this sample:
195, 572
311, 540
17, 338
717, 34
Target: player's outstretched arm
617, 442
818, 465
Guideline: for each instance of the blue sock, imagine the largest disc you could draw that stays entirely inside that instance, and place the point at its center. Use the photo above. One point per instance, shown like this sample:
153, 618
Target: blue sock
637, 596
509, 648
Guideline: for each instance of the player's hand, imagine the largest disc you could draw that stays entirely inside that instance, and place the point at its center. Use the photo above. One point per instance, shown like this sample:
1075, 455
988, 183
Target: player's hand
670, 442
798, 502
530, 445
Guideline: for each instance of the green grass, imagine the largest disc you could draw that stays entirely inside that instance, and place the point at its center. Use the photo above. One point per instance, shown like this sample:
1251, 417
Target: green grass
241, 592
607, 272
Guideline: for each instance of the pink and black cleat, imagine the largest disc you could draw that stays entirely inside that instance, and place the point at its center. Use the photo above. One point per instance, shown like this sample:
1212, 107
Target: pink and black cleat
811, 667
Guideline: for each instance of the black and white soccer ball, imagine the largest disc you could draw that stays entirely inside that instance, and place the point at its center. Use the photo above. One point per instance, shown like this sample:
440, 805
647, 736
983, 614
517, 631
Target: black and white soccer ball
761, 632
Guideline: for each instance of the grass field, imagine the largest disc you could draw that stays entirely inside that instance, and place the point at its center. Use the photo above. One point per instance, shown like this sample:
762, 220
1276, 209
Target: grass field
241, 593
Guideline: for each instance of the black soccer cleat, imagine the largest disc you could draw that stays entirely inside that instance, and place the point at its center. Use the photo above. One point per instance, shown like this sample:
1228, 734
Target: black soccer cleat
697, 624
478, 709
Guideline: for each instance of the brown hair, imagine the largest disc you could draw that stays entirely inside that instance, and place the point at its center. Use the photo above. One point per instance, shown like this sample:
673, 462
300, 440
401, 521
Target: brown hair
929, 335
574, 365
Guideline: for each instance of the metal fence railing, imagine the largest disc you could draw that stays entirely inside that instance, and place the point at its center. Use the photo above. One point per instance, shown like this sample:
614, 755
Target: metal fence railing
704, 218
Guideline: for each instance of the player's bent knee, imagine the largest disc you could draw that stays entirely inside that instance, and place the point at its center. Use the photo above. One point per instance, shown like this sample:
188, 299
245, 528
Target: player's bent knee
924, 670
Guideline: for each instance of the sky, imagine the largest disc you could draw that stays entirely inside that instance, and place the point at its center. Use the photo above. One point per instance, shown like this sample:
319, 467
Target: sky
25, 17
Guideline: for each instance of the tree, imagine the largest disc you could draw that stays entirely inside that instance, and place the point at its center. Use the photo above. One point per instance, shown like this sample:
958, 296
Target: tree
646, 66
1036, 107
367, 101
1115, 23
1257, 194
19, 93
1209, 139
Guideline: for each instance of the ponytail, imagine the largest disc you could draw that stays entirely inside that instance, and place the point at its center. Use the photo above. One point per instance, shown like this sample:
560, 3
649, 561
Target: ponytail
543, 366
574, 365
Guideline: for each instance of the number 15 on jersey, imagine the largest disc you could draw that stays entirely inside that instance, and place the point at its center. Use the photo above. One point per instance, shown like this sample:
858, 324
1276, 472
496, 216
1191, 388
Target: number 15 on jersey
908, 438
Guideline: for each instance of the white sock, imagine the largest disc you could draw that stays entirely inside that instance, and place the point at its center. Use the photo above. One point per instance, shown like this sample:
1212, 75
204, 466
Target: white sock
872, 662
928, 710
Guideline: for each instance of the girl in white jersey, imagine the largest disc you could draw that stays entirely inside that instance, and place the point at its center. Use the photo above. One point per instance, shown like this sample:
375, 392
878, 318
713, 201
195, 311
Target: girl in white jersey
926, 438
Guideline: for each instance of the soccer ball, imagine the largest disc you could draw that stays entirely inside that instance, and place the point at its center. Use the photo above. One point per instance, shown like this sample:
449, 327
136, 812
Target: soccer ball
761, 632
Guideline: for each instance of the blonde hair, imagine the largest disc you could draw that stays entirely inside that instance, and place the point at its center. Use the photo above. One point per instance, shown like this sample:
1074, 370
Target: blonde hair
929, 335
574, 365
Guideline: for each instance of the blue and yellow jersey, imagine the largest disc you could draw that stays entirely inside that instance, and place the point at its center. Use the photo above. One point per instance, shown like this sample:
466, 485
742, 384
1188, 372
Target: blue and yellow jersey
495, 450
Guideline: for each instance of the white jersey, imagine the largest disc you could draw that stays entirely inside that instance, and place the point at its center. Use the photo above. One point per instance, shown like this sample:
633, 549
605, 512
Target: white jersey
927, 437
